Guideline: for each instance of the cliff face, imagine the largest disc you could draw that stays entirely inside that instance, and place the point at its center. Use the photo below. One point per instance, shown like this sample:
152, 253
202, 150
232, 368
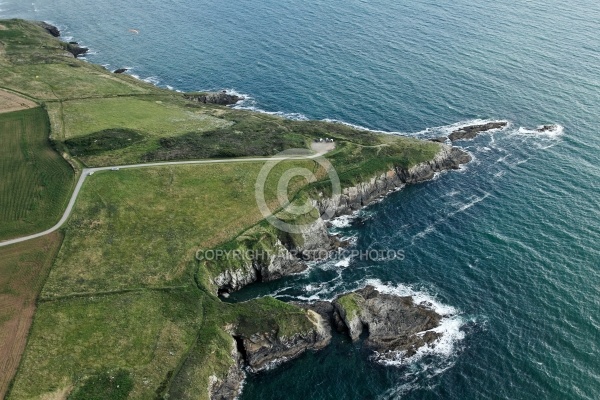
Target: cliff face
282, 262
392, 323
259, 351
262, 350
265, 267
357, 197
222, 98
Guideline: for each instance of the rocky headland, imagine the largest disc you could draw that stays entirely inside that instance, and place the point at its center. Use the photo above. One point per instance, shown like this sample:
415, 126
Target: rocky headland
388, 324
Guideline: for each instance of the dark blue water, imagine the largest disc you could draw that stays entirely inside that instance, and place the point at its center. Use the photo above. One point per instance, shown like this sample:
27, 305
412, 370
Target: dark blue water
507, 248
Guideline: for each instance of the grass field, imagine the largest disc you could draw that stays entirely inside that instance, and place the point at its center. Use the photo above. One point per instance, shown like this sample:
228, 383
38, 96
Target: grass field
144, 333
23, 269
126, 311
36, 181
140, 228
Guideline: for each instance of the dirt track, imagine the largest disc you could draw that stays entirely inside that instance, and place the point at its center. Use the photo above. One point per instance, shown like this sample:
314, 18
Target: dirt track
11, 102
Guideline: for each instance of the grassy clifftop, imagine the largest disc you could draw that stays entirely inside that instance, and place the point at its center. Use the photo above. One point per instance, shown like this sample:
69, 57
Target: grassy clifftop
124, 304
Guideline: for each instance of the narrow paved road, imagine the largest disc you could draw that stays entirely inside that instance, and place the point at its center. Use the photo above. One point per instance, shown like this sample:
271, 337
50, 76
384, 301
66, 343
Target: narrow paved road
88, 171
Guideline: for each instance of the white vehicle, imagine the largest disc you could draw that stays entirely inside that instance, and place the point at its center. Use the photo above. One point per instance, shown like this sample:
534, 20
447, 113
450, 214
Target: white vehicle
114, 169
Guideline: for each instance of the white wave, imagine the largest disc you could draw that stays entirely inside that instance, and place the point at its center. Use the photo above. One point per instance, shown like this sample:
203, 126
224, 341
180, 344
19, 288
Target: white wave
152, 79
446, 130
343, 221
450, 328
345, 263
460, 207
470, 204
554, 133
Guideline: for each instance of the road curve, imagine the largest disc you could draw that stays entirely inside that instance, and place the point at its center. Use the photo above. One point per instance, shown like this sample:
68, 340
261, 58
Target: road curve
88, 171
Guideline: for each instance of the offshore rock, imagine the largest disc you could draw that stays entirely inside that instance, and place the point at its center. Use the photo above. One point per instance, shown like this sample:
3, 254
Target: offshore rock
469, 132
391, 323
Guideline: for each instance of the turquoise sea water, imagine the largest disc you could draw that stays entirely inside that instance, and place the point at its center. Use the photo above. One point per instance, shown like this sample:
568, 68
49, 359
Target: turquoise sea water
507, 247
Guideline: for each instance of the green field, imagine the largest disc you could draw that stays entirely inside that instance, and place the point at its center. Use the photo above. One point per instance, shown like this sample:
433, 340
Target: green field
127, 311
36, 181
140, 228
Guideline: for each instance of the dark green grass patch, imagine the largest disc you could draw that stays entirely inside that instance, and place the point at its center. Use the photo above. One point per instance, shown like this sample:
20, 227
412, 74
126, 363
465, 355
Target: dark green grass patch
105, 140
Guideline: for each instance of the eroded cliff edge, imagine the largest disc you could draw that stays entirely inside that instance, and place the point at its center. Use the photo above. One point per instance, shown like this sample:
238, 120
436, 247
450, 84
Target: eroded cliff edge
284, 254
390, 324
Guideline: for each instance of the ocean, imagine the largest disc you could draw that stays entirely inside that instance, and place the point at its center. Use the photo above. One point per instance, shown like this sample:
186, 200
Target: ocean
507, 248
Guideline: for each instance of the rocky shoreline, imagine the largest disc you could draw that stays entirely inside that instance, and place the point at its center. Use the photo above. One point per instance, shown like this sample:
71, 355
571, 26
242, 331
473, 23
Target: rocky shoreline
389, 324
287, 258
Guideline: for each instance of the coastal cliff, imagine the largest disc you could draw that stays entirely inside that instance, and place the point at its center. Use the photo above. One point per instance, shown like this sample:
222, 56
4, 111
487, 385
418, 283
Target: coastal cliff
287, 255
354, 198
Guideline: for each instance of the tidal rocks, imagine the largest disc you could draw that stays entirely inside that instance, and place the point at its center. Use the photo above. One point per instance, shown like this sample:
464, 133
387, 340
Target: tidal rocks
390, 323
76, 49
546, 128
221, 98
51, 29
120, 70
469, 132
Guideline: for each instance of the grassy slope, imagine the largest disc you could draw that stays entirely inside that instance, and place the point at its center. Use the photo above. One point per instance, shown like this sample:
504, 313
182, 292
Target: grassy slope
23, 269
35, 182
125, 296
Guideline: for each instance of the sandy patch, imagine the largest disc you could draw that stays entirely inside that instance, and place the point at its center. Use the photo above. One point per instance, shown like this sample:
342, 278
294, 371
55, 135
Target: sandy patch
322, 147
3, 28
11, 102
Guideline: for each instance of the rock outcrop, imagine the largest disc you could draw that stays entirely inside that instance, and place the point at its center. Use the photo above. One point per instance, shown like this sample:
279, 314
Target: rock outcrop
390, 323
75, 49
263, 350
51, 29
469, 132
120, 70
357, 197
221, 98
546, 128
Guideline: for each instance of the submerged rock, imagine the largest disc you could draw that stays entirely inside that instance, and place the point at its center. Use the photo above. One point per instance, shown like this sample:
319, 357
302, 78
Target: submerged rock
390, 323
469, 132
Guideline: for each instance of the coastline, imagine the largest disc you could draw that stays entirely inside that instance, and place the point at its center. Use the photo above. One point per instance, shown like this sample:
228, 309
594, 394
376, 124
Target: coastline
259, 351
